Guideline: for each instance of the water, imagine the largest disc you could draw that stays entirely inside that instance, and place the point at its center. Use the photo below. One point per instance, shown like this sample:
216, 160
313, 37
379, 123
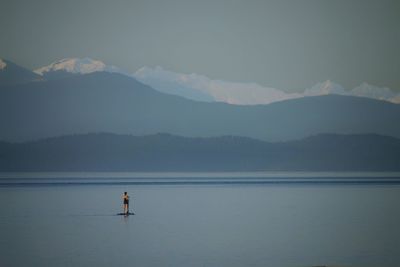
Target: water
291, 221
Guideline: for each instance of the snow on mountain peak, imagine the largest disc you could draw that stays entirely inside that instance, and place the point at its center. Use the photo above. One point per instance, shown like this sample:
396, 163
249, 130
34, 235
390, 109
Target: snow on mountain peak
201, 88
194, 86
363, 90
191, 85
3, 64
368, 90
78, 65
325, 88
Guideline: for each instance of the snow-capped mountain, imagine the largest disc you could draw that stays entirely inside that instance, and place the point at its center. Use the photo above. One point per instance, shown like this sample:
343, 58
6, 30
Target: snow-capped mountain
371, 91
363, 90
201, 88
171, 83
214, 90
325, 88
78, 66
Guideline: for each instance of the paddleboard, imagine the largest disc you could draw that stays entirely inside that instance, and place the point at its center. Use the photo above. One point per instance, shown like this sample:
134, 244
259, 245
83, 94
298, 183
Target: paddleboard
126, 214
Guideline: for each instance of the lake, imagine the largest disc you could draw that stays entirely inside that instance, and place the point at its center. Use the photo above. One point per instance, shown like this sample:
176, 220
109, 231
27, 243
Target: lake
206, 219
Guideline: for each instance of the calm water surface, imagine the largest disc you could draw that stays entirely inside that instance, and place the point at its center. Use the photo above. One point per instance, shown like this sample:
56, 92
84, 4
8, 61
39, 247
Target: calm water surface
238, 224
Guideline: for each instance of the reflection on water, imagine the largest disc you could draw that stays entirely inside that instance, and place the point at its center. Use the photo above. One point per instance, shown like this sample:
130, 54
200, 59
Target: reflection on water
284, 224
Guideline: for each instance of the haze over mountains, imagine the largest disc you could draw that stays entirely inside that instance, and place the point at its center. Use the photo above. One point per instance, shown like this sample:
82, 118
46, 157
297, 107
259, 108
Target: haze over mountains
201, 88
112, 102
75, 97
107, 101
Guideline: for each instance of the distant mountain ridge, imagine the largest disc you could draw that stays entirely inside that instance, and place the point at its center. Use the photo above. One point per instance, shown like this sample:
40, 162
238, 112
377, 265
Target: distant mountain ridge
77, 66
247, 93
201, 88
11, 73
194, 86
164, 152
112, 102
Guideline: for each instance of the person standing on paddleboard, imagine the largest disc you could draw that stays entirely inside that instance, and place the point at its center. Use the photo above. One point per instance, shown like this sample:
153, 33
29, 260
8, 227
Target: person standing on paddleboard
125, 197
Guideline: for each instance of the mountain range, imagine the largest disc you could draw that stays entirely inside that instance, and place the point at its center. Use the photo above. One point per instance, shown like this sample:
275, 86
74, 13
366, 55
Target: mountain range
164, 152
201, 88
112, 102
58, 105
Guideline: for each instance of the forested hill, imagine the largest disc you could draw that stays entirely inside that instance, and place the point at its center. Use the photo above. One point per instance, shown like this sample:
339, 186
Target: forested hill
164, 152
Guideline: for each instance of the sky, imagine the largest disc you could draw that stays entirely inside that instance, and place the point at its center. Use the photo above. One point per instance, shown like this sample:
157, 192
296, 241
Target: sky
290, 45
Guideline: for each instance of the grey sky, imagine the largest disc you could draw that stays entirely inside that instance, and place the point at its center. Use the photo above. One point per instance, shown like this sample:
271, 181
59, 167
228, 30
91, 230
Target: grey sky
283, 44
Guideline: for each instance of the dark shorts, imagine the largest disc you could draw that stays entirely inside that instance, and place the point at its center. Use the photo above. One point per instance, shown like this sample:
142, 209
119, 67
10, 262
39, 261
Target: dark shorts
126, 202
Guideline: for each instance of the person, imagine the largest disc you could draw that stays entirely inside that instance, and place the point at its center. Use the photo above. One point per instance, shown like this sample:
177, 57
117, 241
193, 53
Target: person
125, 197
